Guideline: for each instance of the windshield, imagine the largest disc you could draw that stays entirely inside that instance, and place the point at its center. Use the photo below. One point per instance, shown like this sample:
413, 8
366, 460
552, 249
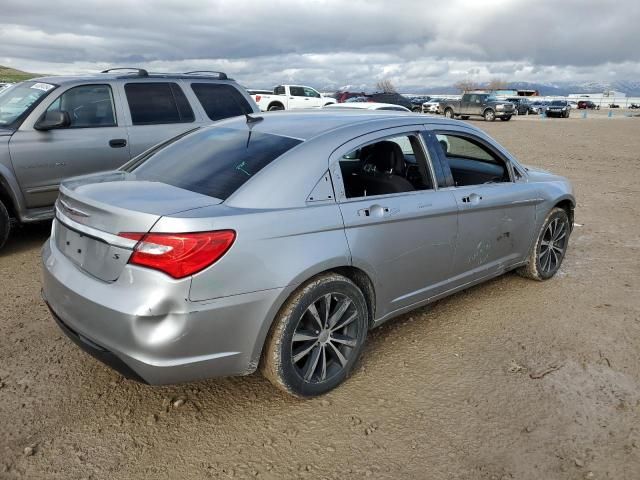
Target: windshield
18, 100
560, 103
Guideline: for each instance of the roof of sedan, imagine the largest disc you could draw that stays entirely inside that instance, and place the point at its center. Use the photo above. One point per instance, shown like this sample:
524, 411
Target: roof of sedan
307, 124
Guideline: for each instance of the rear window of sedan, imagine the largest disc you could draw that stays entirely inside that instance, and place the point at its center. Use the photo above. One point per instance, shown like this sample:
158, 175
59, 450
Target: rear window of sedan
214, 162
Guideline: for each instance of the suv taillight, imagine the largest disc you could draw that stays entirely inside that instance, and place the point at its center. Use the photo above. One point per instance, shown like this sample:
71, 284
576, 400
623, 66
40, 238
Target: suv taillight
179, 254
258, 97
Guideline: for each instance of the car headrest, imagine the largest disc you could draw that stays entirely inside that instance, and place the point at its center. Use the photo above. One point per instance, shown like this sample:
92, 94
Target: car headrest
386, 156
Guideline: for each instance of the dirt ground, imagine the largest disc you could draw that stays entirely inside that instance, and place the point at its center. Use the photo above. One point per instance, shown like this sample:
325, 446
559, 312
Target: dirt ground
450, 391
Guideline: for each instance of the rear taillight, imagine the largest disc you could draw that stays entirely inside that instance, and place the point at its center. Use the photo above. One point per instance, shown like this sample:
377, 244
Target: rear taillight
258, 97
179, 254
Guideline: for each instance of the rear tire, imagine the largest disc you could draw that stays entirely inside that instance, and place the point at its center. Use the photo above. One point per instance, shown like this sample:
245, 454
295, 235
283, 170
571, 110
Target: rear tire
546, 255
273, 108
5, 224
449, 113
311, 347
489, 115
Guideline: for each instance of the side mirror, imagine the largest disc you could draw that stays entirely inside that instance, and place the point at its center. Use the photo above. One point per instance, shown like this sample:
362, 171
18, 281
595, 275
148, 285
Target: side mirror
53, 119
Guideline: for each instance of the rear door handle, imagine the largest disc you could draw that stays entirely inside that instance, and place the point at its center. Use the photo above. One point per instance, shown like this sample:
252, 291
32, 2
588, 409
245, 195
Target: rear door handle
376, 211
117, 143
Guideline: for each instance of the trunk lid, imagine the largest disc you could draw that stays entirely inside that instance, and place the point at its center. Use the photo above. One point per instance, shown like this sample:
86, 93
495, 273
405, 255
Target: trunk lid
91, 211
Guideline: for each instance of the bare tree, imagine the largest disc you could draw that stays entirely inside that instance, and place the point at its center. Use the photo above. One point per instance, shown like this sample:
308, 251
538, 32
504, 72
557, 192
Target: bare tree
466, 85
497, 84
386, 86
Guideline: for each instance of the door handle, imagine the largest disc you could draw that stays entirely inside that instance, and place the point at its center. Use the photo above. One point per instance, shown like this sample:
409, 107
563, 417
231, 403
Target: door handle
117, 143
377, 211
473, 199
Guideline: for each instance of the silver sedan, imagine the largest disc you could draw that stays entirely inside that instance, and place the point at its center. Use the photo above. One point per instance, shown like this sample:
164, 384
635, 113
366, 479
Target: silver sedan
278, 241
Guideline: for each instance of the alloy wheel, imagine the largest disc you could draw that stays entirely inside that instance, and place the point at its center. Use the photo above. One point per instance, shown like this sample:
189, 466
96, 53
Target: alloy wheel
552, 245
325, 338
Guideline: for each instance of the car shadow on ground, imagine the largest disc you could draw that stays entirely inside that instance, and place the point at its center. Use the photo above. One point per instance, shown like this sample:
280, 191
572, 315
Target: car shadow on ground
25, 237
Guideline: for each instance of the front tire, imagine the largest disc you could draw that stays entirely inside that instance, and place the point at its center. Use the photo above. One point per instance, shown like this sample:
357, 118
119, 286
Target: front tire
489, 115
317, 337
546, 255
5, 224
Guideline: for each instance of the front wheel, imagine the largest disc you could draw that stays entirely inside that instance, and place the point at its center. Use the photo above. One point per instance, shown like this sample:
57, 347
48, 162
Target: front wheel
547, 253
5, 224
317, 337
489, 115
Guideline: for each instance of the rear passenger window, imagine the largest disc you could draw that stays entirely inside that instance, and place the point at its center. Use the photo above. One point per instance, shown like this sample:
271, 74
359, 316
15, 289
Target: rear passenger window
87, 105
157, 103
220, 101
214, 161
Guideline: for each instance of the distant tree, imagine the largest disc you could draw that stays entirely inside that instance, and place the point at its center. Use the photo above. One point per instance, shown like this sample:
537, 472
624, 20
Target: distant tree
385, 86
466, 85
497, 84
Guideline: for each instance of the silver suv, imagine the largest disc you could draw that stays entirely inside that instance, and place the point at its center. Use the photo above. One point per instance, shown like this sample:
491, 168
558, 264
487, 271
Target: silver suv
52, 128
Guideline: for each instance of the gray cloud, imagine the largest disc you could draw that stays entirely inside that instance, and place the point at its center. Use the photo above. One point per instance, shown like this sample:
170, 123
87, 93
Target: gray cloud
331, 43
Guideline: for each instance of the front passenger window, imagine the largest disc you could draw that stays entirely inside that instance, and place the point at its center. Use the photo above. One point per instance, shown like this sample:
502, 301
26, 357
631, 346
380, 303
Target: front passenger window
391, 165
88, 106
471, 162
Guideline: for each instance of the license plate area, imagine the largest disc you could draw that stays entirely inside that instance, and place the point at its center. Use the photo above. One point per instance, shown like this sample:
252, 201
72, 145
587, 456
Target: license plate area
91, 254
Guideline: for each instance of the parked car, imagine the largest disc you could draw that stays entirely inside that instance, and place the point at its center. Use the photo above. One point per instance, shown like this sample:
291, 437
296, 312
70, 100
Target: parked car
366, 106
392, 98
634, 106
342, 97
558, 108
292, 97
539, 106
522, 105
52, 128
278, 241
587, 105
485, 105
614, 105
432, 106
572, 105
417, 102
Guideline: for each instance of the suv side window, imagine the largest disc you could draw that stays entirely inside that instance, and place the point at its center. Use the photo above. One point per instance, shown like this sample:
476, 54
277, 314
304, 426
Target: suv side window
297, 91
220, 100
88, 106
390, 165
157, 103
471, 162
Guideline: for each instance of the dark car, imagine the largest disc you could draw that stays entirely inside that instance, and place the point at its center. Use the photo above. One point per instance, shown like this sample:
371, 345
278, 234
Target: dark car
522, 104
558, 108
587, 105
418, 101
392, 98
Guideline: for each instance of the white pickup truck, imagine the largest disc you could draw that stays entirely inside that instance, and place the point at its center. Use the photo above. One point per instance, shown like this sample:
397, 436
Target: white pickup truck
291, 97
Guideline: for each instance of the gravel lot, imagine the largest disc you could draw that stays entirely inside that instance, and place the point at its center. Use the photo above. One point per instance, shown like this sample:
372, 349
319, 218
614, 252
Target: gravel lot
512, 379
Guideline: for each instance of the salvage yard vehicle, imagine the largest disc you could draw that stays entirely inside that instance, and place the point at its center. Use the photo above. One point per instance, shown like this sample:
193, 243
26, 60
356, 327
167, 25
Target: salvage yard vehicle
367, 106
278, 241
558, 108
485, 105
292, 97
52, 128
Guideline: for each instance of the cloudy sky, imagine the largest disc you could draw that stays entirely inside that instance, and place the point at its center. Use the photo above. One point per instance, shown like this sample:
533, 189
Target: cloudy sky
326, 43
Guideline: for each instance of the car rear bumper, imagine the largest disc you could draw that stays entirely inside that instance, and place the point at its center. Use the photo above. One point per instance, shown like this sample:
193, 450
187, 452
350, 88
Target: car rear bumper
160, 340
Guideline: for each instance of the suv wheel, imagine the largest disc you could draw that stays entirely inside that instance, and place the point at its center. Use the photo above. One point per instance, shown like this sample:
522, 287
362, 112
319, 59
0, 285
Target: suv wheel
5, 224
489, 115
317, 337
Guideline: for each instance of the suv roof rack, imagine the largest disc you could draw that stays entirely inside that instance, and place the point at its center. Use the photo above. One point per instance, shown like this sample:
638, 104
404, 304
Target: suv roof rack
141, 72
221, 75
